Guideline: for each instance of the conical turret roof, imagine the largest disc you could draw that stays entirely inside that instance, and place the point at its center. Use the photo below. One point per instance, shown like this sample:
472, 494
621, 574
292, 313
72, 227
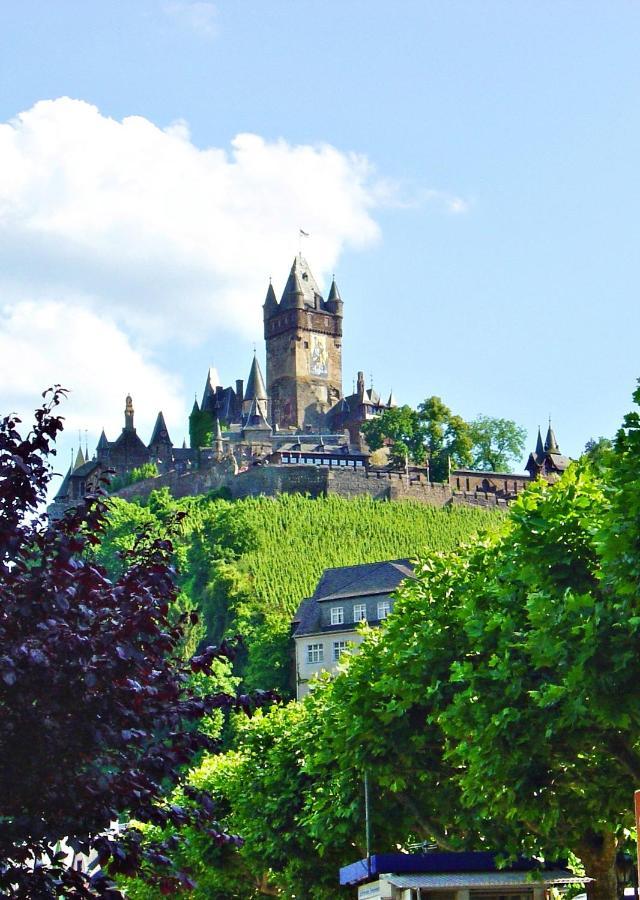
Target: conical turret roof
195, 408
255, 383
334, 293
539, 444
217, 431
270, 302
551, 444
103, 443
392, 402
160, 431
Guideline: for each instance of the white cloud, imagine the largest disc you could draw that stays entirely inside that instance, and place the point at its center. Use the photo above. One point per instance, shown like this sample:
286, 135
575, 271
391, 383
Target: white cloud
196, 15
51, 342
176, 240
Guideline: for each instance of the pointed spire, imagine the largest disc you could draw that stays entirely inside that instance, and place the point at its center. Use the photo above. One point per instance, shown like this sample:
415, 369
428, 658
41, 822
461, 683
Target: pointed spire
184, 443
270, 304
103, 443
160, 433
80, 460
391, 402
539, 445
195, 408
217, 431
301, 288
551, 444
334, 293
255, 383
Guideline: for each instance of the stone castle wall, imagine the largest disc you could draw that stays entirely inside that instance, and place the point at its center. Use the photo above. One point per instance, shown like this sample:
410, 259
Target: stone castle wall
316, 481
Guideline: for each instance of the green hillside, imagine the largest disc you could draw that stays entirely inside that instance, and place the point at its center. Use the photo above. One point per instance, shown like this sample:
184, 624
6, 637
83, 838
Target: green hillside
245, 565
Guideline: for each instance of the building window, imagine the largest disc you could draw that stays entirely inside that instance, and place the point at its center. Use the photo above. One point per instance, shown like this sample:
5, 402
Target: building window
384, 608
339, 648
337, 615
315, 653
360, 612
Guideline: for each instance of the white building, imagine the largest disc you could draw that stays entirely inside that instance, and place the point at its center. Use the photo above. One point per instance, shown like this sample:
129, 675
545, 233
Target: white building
325, 625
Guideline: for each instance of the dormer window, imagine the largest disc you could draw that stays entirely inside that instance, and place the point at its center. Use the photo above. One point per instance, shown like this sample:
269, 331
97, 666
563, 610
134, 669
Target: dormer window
360, 612
337, 615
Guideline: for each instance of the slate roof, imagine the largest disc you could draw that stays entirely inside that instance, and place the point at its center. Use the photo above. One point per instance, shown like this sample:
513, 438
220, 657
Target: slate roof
160, 431
356, 581
86, 469
348, 581
255, 383
129, 439
300, 279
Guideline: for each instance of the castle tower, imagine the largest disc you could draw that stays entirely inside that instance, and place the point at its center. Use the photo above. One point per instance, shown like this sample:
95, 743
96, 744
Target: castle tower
303, 334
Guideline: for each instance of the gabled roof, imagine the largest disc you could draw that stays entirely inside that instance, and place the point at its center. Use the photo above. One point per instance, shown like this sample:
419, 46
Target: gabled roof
255, 383
255, 418
86, 469
129, 439
365, 579
300, 280
160, 431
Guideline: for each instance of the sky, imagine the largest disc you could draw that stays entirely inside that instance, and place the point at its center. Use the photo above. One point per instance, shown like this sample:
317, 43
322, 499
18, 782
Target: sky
468, 169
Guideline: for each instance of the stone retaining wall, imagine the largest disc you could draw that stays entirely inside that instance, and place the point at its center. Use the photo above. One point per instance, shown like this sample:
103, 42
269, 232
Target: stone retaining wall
316, 481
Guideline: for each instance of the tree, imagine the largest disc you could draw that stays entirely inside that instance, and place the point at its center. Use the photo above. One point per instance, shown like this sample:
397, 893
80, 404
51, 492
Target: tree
400, 428
497, 443
447, 438
99, 714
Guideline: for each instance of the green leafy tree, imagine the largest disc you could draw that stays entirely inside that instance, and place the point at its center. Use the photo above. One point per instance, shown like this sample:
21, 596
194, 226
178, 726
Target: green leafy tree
497, 443
200, 429
447, 438
401, 429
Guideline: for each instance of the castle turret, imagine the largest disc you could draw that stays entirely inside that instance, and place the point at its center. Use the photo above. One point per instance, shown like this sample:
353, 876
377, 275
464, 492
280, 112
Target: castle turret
539, 451
303, 334
161, 445
334, 300
255, 395
270, 304
551, 444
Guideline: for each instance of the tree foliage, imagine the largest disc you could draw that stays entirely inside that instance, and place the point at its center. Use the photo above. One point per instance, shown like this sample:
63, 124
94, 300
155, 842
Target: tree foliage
497, 443
246, 565
433, 434
99, 713
498, 705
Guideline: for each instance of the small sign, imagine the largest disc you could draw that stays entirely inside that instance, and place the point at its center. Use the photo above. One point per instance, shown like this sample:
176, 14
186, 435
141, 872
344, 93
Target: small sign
375, 890
369, 891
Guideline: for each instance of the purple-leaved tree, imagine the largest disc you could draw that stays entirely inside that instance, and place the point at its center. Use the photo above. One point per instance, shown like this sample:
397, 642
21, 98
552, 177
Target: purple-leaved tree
98, 719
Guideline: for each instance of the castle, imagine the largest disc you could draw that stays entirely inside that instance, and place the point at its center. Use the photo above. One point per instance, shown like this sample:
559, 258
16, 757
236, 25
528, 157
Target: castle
298, 416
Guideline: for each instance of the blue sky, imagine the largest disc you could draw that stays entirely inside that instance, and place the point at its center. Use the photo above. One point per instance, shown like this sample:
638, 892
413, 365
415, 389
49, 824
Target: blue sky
469, 170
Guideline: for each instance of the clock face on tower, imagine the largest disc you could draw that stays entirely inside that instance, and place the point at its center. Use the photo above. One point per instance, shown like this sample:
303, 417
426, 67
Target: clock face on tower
319, 357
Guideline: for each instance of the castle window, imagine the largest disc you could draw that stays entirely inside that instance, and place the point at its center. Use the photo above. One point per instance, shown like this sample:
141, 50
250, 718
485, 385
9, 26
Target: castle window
306, 345
337, 615
360, 612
